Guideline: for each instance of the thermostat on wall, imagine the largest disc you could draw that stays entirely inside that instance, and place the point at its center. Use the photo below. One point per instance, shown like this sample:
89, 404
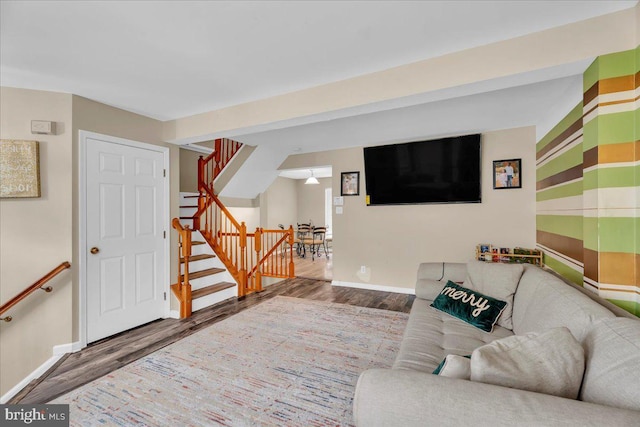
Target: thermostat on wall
42, 127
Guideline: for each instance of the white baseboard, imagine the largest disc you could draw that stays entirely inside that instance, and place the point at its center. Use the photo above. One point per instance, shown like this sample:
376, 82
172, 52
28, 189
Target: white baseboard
371, 287
174, 314
58, 352
32, 376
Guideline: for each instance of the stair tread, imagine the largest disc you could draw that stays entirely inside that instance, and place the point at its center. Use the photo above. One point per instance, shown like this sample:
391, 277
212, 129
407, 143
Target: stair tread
196, 242
198, 257
190, 197
189, 206
207, 290
204, 273
186, 217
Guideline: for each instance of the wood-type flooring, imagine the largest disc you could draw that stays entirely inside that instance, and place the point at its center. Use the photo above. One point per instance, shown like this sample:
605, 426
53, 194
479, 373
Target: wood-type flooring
320, 268
107, 355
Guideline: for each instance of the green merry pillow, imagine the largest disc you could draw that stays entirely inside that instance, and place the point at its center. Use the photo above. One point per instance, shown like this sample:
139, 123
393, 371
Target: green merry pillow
476, 309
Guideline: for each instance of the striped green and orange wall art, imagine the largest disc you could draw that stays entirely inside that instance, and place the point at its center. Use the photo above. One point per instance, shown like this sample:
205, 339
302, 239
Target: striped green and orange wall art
611, 162
559, 202
588, 177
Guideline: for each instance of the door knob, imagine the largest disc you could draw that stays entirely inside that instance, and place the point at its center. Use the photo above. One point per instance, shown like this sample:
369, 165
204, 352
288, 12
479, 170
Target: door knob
94, 250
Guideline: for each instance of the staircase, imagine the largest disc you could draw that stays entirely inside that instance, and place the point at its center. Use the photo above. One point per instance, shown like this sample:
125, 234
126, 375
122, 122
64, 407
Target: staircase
210, 281
219, 259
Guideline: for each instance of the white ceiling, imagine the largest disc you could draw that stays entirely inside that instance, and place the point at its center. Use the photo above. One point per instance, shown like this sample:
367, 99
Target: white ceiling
170, 59
318, 172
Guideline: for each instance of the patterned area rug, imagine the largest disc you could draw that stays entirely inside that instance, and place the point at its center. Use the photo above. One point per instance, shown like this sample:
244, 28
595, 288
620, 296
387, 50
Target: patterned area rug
284, 362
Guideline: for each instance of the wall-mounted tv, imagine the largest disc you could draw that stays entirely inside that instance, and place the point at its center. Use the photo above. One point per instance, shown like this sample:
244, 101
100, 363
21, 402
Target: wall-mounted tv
445, 170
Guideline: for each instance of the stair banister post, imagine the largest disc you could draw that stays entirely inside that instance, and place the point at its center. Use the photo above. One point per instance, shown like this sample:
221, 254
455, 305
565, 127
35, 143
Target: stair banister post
242, 288
186, 251
257, 285
258, 244
178, 227
291, 264
218, 155
201, 201
186, 287
179, 281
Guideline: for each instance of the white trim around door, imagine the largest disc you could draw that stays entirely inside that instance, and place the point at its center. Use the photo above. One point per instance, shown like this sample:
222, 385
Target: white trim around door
83, 136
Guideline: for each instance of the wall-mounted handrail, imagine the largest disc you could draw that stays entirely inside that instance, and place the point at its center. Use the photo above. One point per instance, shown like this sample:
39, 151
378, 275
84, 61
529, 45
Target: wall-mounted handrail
29, 290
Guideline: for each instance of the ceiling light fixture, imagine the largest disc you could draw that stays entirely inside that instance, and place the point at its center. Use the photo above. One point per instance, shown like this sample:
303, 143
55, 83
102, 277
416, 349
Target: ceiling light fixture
312, 179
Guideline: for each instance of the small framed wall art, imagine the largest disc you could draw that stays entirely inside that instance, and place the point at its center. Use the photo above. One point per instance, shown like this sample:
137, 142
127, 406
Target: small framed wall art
350, 184
19, 169
507, 174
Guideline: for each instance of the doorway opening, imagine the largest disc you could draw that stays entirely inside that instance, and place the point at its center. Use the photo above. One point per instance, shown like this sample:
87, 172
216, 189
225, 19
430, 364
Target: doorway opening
312, 220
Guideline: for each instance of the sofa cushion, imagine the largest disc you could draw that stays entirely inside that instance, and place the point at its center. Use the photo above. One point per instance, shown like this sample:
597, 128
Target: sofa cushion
543, 301
454, 366
432, 276
430, 335
428, 288
498, 280
442, 271
475, 308
612, 376
550, 362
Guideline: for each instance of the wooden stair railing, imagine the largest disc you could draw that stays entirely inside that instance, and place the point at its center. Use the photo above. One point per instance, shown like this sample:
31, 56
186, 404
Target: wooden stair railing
29, 290
182, 288
210, 167
247, 256
275, 261
226, 236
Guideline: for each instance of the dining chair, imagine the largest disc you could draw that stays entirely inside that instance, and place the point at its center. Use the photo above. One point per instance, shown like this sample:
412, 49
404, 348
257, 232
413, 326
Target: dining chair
315, 241
302, 232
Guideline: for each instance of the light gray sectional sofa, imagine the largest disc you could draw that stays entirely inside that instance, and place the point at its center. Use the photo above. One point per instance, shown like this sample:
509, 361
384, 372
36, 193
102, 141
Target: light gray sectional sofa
410, 395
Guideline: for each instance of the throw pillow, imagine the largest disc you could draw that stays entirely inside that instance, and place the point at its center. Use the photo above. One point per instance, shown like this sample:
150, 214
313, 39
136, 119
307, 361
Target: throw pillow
454, 366
612, 375
498, 280
477, 309
550, 362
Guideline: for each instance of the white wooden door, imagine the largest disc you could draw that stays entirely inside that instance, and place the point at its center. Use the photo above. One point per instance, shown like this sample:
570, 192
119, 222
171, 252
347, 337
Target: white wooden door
124, 237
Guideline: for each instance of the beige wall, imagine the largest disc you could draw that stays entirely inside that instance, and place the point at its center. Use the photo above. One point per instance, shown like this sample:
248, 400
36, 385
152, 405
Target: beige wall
392, 240
189, 171
638, 24
238, 202
311, 201
35, 237
38, 234
279, 204
250, 216
93, 116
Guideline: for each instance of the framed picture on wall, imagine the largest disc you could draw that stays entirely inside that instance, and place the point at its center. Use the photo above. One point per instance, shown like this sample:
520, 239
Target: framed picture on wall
350, 184
19, 169
507, 174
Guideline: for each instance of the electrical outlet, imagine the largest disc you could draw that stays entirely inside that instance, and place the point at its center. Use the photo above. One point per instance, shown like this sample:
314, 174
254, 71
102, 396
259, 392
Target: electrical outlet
363, 269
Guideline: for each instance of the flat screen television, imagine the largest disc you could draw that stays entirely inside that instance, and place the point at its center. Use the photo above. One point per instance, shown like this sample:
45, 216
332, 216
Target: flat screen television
445, 170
